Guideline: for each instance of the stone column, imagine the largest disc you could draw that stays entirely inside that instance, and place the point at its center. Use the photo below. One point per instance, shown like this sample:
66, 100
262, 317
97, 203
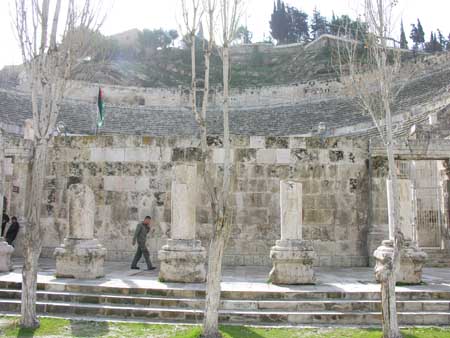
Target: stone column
183, 257
81, 255
292, 256
412, 258
6, 250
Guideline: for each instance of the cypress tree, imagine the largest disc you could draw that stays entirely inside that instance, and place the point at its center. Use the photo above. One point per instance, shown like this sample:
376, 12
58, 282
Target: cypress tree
279, 23
437, 45
319, 24
414, 37
334, 28
403, 41
420, 33
429, 46
441, 40
298, 28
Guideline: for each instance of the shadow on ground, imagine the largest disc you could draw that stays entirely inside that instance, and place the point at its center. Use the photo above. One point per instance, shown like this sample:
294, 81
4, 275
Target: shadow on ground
26, 332
240, 332
88, 329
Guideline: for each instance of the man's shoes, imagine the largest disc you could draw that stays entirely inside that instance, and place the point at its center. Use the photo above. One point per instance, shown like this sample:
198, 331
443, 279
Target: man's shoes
151, 268
135, 268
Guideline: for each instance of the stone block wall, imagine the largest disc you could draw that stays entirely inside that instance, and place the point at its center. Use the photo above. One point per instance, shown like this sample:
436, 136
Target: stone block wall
179, 97
379, 229
18, 153
131, 178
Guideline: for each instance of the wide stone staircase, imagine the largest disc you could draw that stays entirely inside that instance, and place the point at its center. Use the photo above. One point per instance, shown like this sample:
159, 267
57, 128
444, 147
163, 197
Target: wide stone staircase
437, 258
185, 304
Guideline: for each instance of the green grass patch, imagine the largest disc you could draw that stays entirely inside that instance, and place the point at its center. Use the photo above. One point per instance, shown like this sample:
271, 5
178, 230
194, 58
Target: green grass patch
11, 327
51, 327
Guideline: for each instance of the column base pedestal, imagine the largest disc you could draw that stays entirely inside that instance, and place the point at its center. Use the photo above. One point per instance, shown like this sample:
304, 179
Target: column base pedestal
81, 259
412, 259
182, 261
6, 251
292, 262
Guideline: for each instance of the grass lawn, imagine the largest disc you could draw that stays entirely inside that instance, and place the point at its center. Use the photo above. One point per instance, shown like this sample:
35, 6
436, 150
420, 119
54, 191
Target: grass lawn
51, 327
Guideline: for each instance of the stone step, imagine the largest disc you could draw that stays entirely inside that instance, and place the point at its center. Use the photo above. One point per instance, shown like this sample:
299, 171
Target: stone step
334, 305
189, 291
231, 316
227, 304
105, 289
437, 258
89, 298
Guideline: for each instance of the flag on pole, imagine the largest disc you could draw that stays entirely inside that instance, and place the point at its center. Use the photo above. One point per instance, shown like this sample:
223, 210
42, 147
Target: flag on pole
101, 108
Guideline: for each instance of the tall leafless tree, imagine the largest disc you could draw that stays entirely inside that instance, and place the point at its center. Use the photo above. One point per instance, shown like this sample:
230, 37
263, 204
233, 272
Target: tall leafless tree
53, 36
229, 13
192, 13
2, 171
372, 67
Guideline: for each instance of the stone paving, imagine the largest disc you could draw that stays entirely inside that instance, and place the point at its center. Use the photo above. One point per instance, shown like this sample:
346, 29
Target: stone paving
118, 274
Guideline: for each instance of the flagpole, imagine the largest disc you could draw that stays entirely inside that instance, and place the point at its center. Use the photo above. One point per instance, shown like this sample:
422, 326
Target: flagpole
96, 124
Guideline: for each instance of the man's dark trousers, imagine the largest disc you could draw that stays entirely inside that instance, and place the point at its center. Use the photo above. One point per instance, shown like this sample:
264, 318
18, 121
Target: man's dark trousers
142, 250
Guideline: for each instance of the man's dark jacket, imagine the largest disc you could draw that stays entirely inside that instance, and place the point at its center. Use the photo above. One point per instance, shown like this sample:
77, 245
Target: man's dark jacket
140, 235
11, 234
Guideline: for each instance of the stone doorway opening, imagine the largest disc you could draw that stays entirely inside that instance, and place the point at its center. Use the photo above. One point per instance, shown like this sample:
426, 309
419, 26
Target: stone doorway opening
430, 226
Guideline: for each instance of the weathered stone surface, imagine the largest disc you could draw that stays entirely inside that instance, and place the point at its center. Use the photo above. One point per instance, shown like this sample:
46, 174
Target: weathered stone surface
5, 256
292, 257
182, 261
384, 257
292, 262
81, 259
405, 208
291, 210
412, 259
81, 212
81, 256
127, 190
28, 131
184, 200
183, 257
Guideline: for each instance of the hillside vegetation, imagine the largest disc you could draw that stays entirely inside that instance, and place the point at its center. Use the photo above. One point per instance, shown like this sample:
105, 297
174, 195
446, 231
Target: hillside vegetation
171, 67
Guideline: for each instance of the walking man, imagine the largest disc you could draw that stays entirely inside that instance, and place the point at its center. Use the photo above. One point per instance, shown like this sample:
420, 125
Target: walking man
140, 237
13, 230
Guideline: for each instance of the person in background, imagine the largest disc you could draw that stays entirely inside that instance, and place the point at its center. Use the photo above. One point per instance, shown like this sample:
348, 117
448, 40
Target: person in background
5, 220
140, 237
13, 230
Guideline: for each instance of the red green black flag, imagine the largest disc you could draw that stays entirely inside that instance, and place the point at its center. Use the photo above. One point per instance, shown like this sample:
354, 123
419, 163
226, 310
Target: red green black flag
101, 108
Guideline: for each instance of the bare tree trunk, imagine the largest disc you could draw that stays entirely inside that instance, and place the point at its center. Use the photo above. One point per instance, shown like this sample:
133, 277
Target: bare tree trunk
376, 97
193, 75
33, 237
203, 126
214, 277
389, 310
388, 296
2, 173
226, 126
222, 227
49, 66
29, 286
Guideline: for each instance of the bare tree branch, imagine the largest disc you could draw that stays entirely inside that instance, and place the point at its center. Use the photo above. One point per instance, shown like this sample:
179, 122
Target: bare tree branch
49, 55
373, 68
